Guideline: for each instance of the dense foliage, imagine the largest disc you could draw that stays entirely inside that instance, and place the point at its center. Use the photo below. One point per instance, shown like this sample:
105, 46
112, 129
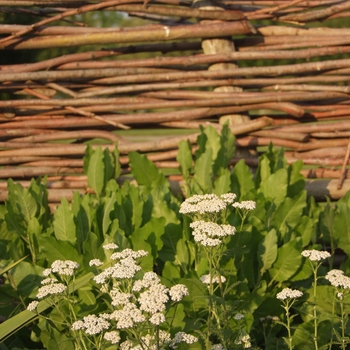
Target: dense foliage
258, 261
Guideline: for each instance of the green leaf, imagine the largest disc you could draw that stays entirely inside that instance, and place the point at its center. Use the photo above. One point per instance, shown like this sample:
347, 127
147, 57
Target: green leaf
96, 172
182, 256
108, 207
184, 157
64, 224
342, 224
58, 250
274, 187
227, 149
144, 171
267, 251
241, 179
11, 265
23, 203
288, 214
151, 233
203, 171
222, 182
288, 261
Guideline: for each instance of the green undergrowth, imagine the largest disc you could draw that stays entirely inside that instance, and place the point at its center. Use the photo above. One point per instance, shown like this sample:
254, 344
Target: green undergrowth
263, 256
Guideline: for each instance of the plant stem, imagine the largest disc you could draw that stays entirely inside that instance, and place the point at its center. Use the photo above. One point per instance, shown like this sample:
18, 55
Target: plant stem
315, 306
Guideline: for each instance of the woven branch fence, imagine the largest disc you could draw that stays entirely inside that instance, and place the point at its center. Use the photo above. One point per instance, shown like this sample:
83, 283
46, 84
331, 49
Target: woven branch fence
190, 63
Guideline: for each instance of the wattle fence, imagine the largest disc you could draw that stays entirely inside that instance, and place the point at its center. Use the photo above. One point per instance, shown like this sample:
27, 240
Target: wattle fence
276, 71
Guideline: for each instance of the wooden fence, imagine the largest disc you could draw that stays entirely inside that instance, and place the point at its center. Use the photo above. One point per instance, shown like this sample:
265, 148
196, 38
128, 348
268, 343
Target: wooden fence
278, 71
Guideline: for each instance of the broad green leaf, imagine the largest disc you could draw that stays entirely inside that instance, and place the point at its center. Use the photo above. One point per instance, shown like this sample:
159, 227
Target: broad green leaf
26, 277
184, 157
222, 182
288, 214
212, 142
227, 149
296, 180
23, 203
171, 271
58, 250
96, 171
267, 251
288, 261
108, 207
63, 223
203, 171
145, 171
274, 187
150, 233
342, 224
241, 180
182, 256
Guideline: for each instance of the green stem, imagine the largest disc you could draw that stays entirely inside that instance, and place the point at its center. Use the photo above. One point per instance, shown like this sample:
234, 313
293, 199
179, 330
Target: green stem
315, 307
342, 322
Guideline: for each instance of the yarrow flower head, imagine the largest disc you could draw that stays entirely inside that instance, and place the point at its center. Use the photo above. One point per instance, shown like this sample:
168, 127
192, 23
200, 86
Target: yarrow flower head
95, 262
33, 305
62, 268
288, 293
202, 204
238, 316
110, 246
50, 289
338, 279
245, 205
113, 337
92, 324
215, 279
177, 292
209, 233
315, 255
182, 337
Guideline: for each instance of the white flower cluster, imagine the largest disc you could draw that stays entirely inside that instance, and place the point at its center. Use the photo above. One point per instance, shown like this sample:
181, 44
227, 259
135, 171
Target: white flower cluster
238, 316
244, 340
91, 324
62, 268
113, 337
126, 268
217, 347
182, 337
33, 305
95, 262
338, 279
215, 279
177, 292
110, 246
50, 289
245, 205
207, 233
315, 255
288, 293
127, 316
207, 203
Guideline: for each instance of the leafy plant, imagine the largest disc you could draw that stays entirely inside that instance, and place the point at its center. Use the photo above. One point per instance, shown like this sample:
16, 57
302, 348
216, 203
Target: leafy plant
258, 261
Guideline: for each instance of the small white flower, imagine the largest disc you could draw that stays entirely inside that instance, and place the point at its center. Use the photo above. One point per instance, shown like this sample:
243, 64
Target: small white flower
48, 281
177, 292
202, 204
129, 253
153, 300
92, 324
288, 293
47, 272
157, 318
112, 337
95, 262
338, 279
340, 296
32, 306
110, 246
50, 289
245, 205
238, 316
315, 255
228, 198
64, 267
215, 279
217, 347
182, 337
